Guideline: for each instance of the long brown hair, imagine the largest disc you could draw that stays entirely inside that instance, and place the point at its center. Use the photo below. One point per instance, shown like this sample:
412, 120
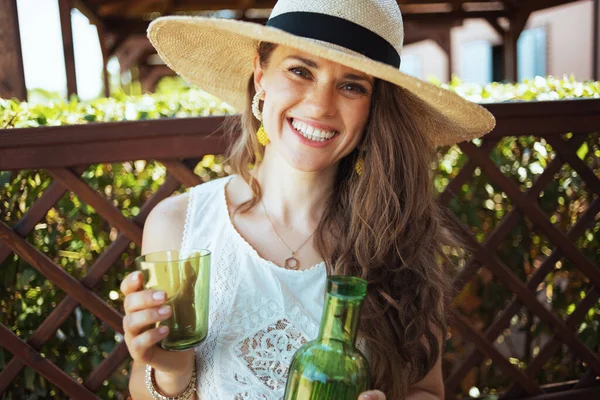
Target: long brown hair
383, 226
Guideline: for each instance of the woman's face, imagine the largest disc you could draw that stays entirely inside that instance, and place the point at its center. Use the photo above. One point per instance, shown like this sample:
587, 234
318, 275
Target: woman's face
314, 110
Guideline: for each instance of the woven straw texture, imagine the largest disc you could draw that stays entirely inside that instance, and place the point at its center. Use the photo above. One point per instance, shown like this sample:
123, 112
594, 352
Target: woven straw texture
217, 56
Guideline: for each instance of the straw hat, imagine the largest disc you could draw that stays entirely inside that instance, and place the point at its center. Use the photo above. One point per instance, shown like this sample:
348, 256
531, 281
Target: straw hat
367, 35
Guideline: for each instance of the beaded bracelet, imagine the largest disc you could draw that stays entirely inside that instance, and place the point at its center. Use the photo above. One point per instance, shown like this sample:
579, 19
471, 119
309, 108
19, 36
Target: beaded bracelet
156, 395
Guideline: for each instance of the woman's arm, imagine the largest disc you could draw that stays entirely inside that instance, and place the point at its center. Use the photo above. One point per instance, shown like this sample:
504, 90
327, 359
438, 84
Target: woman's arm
162, 231
431, 387
170, 385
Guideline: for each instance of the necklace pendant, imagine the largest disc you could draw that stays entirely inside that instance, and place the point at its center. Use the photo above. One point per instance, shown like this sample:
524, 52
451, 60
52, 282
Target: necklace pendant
292, 263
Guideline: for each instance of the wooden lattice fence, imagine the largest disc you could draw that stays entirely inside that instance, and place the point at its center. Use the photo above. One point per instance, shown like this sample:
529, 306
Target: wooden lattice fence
66, 152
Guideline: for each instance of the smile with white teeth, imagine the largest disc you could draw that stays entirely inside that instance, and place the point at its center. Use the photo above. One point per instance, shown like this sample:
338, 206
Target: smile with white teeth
311, 132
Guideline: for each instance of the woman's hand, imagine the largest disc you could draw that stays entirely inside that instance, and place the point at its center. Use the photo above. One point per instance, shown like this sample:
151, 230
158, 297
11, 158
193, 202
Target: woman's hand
143, 309
372, 395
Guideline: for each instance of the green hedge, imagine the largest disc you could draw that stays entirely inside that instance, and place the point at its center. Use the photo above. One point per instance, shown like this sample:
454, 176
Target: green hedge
73, 235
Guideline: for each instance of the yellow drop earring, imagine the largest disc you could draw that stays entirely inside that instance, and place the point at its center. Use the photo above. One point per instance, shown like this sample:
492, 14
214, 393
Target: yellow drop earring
358, 166
261, 134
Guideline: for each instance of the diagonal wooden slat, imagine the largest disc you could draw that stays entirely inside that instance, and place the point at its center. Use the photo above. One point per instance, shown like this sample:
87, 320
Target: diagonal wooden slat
60, 278
586, 174
56, 318
494, 239
534, 212
465, 173
502, 322
499, 269
38, 210
70, 180
107, 367
183, 174
93, 276
48, 370
492, 352
550, 347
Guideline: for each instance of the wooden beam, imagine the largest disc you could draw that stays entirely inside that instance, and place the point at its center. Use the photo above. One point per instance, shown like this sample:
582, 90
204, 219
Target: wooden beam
88, 12
173, 138
64, 7
12, 75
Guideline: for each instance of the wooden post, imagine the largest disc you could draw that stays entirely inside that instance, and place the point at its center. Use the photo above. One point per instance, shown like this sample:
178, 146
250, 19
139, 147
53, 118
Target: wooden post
442, 36
65, 7
510, 37
510, 54
12, 75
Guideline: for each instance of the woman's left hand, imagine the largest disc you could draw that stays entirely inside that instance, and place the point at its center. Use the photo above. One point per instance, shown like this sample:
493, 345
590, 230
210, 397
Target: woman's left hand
372, 395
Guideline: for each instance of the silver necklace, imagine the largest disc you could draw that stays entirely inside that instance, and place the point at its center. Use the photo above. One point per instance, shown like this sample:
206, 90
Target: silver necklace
291, 262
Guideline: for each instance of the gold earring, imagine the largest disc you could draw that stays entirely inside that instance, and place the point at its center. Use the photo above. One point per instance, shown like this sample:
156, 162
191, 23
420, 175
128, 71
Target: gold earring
258, 96
358, 167
262, 136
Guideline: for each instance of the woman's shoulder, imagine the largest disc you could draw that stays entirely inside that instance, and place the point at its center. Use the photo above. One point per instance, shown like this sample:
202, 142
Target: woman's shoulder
165, 224
163, 229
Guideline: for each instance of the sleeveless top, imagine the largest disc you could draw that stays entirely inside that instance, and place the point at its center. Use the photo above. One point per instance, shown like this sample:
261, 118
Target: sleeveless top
259, 313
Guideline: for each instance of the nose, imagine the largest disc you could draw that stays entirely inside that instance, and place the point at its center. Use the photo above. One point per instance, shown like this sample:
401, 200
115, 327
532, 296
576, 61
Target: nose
321, 101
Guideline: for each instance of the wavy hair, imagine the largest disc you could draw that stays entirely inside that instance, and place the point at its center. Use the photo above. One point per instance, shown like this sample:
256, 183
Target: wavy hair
383, 226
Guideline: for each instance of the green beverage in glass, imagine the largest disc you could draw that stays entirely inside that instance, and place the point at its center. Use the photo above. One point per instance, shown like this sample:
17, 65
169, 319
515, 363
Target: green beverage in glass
184, 275
331, 367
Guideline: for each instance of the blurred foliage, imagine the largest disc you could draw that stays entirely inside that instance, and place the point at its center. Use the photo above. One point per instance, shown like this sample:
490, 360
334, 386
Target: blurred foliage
73, 236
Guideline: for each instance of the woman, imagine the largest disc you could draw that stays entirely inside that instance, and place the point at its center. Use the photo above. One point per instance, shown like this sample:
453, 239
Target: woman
342, 145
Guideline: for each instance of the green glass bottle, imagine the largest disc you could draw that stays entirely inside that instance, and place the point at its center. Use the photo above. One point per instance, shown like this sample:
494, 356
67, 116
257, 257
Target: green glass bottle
331, 367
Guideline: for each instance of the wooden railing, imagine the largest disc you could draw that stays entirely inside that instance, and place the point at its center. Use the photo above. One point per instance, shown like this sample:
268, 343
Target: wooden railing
65, 152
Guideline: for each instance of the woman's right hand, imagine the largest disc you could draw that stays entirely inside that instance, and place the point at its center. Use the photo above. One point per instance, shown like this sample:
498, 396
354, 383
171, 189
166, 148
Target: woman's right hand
143, 309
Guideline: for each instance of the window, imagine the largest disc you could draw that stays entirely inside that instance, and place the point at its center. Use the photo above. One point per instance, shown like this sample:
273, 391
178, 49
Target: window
531, 53
476, 62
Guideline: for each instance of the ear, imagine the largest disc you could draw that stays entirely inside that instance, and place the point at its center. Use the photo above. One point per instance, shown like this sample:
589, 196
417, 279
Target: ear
258, 74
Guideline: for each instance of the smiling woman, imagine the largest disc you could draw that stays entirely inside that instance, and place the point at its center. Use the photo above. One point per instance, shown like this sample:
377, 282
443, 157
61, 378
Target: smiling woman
341, 144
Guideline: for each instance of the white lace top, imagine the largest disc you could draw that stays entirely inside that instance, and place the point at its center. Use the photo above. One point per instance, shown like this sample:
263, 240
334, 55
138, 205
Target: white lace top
260, 313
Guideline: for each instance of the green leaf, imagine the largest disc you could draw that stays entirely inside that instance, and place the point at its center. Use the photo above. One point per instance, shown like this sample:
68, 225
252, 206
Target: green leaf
27, 276
583, 150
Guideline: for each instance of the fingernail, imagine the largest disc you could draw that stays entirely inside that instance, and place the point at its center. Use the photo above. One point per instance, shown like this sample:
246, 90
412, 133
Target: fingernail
162, 330
366, 397
138, 276
158, 295
164, 310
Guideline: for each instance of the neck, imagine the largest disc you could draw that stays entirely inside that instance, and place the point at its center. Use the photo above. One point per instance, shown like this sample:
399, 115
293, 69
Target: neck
293, 197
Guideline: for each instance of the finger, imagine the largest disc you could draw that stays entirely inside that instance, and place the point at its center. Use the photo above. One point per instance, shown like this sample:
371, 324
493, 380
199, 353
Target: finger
372, 395
131, 283
144, 299
136, 322
140, 347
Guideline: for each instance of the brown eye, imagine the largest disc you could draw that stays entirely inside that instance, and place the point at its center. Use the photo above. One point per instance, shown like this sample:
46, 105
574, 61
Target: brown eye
300, 71
354, 87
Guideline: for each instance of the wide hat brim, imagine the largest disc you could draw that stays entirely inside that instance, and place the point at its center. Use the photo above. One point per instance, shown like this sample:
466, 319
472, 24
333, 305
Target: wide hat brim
217, 55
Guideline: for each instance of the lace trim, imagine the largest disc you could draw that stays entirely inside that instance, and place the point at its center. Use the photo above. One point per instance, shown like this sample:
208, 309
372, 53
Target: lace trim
188, 218
251, 250
224, 282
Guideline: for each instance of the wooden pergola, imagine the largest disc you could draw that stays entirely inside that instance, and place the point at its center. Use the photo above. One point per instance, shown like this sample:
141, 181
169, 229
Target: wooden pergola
122, 25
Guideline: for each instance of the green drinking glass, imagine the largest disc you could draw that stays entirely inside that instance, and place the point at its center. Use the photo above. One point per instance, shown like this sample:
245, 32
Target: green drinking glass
331, 367
184, 275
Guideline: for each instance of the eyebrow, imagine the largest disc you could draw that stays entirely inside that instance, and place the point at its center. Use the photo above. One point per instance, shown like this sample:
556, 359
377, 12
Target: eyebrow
313, 64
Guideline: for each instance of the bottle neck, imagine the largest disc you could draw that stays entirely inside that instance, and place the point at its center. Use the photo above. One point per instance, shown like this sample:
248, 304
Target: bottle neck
340, 320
